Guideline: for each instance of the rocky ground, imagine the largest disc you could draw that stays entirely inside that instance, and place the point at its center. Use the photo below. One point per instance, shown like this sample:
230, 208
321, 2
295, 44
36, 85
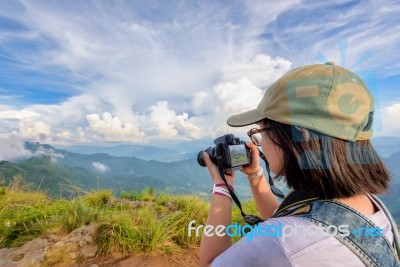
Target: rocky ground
78, 249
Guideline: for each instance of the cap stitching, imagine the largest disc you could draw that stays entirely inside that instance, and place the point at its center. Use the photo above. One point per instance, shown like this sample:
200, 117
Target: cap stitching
317, 118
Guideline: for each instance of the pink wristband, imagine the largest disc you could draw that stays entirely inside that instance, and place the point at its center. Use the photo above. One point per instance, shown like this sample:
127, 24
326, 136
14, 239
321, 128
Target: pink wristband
221, 185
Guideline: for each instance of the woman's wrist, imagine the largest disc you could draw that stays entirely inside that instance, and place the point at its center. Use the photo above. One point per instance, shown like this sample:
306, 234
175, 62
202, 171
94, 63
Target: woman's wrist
255, 175
220, 181
250, 169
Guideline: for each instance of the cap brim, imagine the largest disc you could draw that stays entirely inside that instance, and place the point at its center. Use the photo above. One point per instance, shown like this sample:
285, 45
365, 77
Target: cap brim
246, 118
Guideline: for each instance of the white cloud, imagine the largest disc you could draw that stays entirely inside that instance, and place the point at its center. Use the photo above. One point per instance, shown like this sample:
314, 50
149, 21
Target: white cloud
208, 109
141, 84
54, 156
35, 130
17, 114
167, 124
365, 26
228, 97
180, 73
261, 70
389, 115
100, 167
10, 119
64, 135
111, 128
12, 148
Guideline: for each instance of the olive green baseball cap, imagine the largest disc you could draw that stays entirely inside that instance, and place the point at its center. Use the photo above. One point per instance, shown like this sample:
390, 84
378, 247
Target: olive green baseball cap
323, 97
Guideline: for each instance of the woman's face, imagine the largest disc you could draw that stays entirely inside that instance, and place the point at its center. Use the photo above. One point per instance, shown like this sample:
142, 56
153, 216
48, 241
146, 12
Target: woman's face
272, 152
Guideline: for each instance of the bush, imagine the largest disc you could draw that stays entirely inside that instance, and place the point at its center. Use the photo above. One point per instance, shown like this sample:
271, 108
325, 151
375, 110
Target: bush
21, 216
132, 195
155, 235
148, 194
116, 235
77, 215
25, 216
98, 199
189, 208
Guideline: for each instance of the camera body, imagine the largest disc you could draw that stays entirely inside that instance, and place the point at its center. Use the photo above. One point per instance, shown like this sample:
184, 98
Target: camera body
229, 153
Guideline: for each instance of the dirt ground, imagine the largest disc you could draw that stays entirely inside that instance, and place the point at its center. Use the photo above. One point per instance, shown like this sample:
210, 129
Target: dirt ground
188, 257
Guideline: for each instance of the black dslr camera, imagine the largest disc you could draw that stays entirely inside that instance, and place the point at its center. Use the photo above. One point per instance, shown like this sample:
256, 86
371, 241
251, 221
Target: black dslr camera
229, 153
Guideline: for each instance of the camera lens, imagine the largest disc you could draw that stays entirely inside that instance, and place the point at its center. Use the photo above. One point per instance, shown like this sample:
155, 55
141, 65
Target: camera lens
200, 159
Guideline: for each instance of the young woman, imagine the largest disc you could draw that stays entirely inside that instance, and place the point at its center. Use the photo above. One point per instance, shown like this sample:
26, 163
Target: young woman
315, 124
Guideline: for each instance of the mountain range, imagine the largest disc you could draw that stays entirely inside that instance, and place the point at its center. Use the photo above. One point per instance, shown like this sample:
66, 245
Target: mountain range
165, 152
63, 173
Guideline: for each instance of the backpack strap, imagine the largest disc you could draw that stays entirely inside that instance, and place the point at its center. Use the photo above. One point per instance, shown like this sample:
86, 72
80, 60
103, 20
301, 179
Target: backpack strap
373, 251
395, 230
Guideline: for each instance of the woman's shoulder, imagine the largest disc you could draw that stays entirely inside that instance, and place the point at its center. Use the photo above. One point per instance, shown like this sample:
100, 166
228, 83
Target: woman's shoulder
293, 234
287, 241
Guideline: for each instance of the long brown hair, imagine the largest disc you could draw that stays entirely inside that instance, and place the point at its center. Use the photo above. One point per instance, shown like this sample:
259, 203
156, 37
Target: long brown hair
325, 166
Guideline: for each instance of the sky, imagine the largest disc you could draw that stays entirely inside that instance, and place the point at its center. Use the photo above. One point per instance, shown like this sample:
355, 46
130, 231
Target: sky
147, 72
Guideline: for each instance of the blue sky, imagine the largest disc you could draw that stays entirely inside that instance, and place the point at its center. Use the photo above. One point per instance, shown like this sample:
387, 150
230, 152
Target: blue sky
149, 71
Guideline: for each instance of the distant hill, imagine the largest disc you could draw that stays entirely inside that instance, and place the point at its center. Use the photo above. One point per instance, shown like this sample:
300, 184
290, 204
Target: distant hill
173, 152
386, 145
393, 163
392, 199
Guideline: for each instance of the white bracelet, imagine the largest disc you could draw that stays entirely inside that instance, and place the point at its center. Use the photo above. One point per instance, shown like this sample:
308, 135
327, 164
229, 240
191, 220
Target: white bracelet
257, 174
221, 191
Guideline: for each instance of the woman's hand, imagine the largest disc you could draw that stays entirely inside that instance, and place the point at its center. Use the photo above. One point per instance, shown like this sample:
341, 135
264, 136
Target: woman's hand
214, 172
254, 166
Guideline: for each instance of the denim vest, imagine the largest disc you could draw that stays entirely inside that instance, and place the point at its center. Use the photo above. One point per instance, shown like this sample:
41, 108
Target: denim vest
373, 251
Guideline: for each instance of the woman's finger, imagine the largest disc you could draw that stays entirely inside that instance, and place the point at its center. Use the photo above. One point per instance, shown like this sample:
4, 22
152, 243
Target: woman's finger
253, 149
255, 160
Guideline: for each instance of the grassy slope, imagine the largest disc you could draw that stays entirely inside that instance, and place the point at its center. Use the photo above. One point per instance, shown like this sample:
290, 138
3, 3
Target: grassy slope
159, 226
